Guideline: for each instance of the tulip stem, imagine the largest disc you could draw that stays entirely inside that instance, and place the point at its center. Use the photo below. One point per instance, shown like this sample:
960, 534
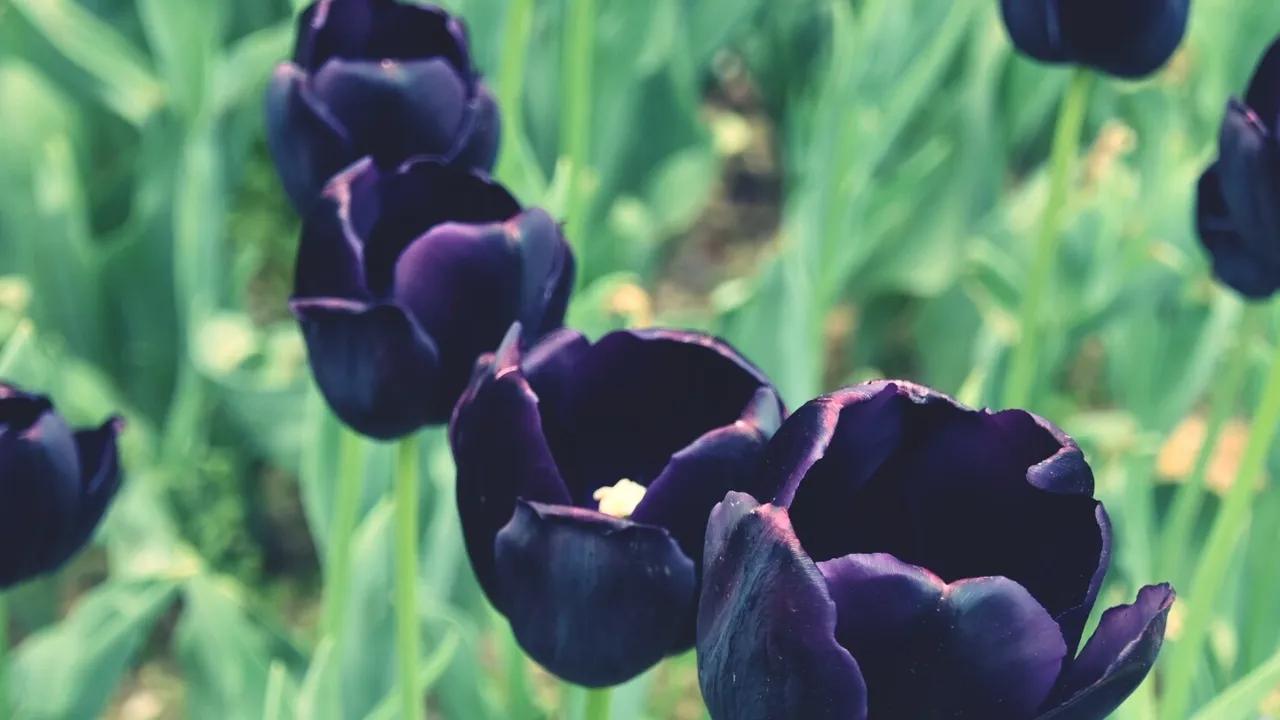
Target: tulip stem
598, 703
1066, 145
406, 580
1229, 525
575, 137
346, 510
1190, 497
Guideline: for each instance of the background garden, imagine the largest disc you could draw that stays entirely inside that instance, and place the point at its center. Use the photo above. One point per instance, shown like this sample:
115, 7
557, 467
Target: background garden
844, 189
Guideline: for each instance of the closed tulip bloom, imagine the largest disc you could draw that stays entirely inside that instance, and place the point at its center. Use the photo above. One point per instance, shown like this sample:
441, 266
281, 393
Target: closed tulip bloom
56, 484
1125, 38
918, 559
405, 277
585, 476
376, 78
1238, 213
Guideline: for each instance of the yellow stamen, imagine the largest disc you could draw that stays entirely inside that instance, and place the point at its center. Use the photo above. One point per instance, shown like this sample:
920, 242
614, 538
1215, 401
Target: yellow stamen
619, 499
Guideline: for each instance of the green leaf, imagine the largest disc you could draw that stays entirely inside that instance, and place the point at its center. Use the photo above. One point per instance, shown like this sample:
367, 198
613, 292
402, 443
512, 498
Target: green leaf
72, 669
126, 84
243, 71
225, 655
1242, 700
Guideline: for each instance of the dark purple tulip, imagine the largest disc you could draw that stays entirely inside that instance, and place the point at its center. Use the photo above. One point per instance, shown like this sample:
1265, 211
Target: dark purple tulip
1125, 38
376, 78
919, 559
56, 484
404, 278
1238, 213
585, 476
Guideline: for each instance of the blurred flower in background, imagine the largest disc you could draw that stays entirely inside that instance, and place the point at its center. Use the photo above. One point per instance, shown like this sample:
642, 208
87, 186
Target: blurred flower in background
1238, 214
1125, 38
404, 278
918, 559
56, 482
585, 476
378, 78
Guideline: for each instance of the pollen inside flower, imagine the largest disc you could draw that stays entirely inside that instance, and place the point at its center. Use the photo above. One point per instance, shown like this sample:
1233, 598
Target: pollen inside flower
620, 499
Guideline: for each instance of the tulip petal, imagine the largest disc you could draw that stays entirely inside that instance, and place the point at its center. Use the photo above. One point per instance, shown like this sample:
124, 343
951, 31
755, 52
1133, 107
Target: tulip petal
375, 29
501, 456
39, 486
547, 271
376, 368
461, 285
309, 145
1233, 262
909, 472
766, 624
1129, 39
1115, 660
979, 649
1248, 172
699, 476
423, 195
1033, 28
482, 129
393, 110
1264, 88
100, 479
677, 386
571, 577
331, 251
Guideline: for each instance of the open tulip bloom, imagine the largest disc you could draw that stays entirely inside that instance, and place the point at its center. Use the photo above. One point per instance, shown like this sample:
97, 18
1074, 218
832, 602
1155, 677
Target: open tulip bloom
586, 473
405, 277
56, 484
918, 559
1238, 213
1125, 38
376, 78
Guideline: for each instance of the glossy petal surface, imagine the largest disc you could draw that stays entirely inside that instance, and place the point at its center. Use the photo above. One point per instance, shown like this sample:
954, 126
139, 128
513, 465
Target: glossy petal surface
594, 599
378, 372
501, 456
306, 141
1125, 38
1115, 660
396, 109
892, 467
981, 649
54, 485
766, 624
376, 29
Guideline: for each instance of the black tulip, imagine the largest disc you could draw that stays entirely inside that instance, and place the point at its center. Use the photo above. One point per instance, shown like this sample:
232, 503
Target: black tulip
918, 560
376, 78
585, 475
405, 277
56, 484
1125, 38
1238, 208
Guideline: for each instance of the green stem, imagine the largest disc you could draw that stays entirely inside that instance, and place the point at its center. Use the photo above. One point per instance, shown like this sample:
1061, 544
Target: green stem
510, 78
598, 704
346, 511
406, 580
575, 135
519, 705
1066, 146
1210, 575
1190, 496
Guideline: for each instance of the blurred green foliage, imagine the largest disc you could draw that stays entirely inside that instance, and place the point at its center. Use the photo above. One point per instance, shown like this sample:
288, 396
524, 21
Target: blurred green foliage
843, 188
